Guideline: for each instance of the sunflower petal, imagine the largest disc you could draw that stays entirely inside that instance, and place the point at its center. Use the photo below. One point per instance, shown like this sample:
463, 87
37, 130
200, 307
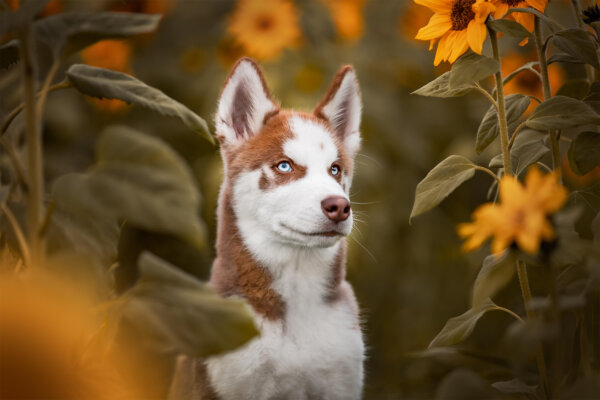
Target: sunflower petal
482, 9
501, 9
436, 27
539, 5
439, 6
442, 50
459, 46
476, 33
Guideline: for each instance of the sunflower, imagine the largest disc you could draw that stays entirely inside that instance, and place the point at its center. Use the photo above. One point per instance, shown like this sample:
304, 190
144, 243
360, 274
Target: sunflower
521, 217
525, 19
457, 24
347, 17
264, 27
412, 19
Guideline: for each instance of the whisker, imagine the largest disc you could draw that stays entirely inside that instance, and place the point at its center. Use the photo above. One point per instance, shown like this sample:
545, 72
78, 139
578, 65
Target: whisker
364, 248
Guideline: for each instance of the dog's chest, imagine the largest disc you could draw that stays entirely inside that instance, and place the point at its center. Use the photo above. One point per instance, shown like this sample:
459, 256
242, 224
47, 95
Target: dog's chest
316, 352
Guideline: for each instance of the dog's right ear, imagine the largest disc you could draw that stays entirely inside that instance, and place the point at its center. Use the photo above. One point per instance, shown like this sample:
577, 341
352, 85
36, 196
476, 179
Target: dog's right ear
244, 105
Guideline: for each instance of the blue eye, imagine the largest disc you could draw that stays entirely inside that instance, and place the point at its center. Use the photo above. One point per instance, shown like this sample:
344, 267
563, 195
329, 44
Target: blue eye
335, 170
284, 166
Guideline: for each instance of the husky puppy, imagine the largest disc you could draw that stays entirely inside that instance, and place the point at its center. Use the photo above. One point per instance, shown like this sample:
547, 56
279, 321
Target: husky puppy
283, 215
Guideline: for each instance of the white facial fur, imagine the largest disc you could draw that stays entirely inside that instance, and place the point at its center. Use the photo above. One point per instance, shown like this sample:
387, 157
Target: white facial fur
291, 214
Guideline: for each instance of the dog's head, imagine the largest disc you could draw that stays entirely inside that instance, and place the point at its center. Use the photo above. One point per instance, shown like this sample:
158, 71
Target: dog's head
289, 172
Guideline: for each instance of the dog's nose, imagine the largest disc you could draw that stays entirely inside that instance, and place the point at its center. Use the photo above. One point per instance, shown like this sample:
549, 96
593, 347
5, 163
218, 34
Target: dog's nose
336, 208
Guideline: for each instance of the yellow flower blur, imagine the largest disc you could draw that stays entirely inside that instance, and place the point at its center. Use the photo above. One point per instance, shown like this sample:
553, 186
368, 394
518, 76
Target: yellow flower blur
264, 27
525, 19
347, 17
457, 24
520, 217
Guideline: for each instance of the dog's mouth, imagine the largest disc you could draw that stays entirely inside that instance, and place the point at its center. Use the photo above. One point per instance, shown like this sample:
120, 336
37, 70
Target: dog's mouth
332, 233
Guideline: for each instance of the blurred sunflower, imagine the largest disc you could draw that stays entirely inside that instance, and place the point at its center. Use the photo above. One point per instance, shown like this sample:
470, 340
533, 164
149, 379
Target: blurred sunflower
347, 17
521, 217
264, 27
109, 54
525, 19
526, 82
412, 19
457, 24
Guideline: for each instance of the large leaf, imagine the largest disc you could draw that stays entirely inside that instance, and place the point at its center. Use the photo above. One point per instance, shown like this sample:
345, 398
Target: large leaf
471, 68
516, 104
440, 182
9, 54
578, 44
12, 20
575, 88
564, 58
584, 152
562, 112
440, 87
459, 328
509, 27
67, 33
175, 313
80, 223
104, 83
140, 179
495, 273
552, 24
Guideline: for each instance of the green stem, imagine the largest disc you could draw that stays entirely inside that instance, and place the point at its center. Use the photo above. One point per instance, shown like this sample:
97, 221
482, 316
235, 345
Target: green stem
526, 293
35, 195
501, 106
541, 53
487, 171
13, 114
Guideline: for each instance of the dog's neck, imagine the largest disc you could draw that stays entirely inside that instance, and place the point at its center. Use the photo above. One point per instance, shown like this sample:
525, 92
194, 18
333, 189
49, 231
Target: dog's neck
274, 278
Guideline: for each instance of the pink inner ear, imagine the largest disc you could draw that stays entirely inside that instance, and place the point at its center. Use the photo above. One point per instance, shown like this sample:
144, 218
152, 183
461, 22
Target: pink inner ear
242, 108
339, 122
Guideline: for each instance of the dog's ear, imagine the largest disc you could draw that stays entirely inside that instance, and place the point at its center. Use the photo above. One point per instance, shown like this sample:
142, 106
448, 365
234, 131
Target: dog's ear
244, 104
341, 107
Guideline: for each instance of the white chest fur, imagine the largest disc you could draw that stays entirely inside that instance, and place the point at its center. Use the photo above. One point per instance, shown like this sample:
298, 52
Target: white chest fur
315, 352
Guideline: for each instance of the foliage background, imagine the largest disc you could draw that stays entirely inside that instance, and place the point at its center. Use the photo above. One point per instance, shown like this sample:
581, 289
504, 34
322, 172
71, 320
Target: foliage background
409, 279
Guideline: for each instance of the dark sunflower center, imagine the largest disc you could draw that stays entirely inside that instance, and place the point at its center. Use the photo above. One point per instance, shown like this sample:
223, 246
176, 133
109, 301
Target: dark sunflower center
591, 14
264, 22
512, 3
462, 13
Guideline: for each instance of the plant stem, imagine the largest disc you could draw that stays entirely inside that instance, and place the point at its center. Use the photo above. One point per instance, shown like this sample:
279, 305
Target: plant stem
487, 171
35, 195
541, 53
501, 106
526, 293
13, 114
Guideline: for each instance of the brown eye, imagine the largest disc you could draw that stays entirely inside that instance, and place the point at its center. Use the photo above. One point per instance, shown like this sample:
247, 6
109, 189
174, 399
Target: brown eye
335, 170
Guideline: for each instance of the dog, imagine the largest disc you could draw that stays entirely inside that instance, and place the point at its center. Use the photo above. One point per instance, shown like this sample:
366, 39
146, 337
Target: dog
283, 215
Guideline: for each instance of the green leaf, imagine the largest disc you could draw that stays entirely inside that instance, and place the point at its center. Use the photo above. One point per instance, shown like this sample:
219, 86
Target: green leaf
584, 152
140, 179
442, 180
562, 112
495, 273
522, 156
564, 58
552, 24
104, 83
178, 314
67, 33
463, 383
516, 104
439, 87
514, 387
80, 223
13, 20
459, 328
471, 68
575, 88
9, 54
509, 27
578, 44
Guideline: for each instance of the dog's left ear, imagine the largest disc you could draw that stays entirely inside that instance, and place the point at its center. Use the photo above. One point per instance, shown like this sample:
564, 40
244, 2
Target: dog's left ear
342, 108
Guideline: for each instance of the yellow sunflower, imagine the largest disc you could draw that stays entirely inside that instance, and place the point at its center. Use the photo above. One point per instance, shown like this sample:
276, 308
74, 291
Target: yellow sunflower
457, 24
525, 19
520, 217
264, 27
